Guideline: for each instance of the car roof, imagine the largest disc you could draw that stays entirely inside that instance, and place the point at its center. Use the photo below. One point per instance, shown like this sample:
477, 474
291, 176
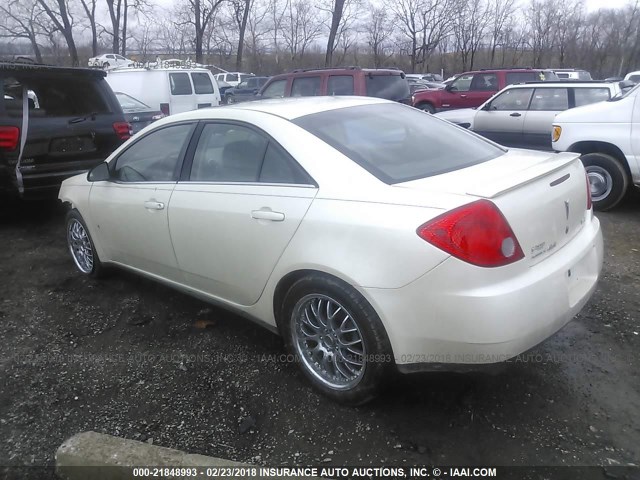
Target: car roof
159, 69
24, 69
565, 83
288, 108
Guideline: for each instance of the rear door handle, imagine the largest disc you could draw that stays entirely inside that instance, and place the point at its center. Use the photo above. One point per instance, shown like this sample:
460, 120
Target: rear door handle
267, 215
153, 205
515, 114
463, 96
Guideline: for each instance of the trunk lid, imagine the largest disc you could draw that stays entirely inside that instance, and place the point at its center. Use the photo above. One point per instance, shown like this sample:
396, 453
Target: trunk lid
543, 196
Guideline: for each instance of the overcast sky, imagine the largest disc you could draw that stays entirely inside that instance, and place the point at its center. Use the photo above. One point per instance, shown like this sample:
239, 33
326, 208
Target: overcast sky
596, 4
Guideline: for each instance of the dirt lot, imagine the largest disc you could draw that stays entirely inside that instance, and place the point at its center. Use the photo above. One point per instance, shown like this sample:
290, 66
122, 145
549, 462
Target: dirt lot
127, 357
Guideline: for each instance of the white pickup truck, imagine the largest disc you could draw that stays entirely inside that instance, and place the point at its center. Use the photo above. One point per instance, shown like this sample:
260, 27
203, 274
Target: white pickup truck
607, 134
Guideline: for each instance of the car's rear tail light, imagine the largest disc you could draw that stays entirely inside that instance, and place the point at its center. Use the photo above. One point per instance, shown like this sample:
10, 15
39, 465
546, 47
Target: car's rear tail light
9, 137
164, 108
589, 200
123, 130
477, 233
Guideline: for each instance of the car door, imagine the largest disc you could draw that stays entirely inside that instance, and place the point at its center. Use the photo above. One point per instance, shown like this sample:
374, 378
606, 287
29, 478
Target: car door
545, 104
205, 93
130, 210
181, 91
242, 90
502, 119
482, 88
235, 210
455, 95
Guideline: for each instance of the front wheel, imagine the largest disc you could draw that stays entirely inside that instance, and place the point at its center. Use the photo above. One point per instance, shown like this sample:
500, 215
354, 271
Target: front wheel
608, 179
106, 65
81, 246
337, 338
426, 107
230, 100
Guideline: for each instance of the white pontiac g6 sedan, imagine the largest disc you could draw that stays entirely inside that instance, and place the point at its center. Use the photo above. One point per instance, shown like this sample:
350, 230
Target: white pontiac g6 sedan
370, 235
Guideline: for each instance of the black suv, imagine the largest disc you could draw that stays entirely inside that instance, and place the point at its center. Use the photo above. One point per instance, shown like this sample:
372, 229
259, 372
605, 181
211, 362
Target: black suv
55, 122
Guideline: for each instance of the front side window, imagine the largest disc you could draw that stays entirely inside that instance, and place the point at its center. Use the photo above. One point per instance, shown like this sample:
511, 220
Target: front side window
340, 85
462, 83
550, 99
514, 99
202, 83
484, 82
586, 96
153, 158
396, 143
180, 84
305, 87
275, 89
232, 77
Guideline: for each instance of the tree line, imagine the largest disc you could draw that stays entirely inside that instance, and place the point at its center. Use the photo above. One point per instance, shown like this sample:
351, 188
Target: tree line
272, 36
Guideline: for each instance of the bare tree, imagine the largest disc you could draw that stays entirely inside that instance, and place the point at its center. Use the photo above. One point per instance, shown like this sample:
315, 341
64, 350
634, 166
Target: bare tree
21, 22
89, 7
469, 26
378, 31
241, 10
501, 13
60, 14
336, 17
300, 27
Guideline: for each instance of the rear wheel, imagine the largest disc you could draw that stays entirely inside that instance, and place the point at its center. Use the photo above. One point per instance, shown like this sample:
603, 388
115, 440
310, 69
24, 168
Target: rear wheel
106, 65
230, 100
426, 107
337, 338
608, 179
81, 246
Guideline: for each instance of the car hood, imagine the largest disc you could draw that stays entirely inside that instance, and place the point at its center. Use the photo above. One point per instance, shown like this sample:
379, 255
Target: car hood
461, 116
617, 111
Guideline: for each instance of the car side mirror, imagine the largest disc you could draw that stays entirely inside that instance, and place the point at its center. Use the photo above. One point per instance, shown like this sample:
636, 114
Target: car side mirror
450, 88
99, 173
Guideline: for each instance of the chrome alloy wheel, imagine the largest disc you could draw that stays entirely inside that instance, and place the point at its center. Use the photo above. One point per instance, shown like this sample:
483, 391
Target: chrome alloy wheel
80, 246
328, 341
600, 182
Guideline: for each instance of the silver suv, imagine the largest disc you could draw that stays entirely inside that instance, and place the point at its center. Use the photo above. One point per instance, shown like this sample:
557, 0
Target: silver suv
521, 116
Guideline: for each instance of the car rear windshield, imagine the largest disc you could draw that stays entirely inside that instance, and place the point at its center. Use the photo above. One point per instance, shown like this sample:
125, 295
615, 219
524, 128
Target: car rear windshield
391, 87
54, 96
397, 143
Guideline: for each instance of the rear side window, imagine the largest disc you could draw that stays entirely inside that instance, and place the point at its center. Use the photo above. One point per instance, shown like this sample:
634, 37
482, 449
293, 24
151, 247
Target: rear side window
397, 143
305, 87
275, 89
555, 99
279, 168
391, 87
514, 99
232, 77
586, 96
153, 158
55, 97
340, 85
228, 153
180, 84
520, 77
202, 83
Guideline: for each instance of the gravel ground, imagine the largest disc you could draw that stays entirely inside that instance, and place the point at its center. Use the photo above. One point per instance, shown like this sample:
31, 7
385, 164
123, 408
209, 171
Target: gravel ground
127, 357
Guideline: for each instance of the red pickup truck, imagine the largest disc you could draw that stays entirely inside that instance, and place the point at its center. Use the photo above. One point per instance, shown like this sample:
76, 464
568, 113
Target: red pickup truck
472, 89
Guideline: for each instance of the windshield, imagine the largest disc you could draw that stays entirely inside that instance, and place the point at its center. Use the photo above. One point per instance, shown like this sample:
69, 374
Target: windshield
397, 143
625, 92
391, 87
130, 104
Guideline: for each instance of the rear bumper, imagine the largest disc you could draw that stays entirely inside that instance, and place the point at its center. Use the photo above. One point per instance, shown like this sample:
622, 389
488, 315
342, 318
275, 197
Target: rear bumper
42, 181
454, 317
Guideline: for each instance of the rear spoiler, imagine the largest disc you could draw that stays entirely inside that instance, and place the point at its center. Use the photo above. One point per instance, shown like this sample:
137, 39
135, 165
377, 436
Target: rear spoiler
501, 185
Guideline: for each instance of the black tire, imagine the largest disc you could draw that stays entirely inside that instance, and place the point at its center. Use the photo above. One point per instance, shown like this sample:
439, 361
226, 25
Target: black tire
96, 269
377, 359
608, 176
426, 107
230, 100
106, 65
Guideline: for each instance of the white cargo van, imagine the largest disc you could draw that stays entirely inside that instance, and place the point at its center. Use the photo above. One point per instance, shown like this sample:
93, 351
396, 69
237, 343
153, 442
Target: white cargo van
607, 134
170, 90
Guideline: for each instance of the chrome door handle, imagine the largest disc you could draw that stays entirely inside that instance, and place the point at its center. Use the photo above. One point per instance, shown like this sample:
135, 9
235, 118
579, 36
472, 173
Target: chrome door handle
515, 114
267, 215
463, 96
153, 205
